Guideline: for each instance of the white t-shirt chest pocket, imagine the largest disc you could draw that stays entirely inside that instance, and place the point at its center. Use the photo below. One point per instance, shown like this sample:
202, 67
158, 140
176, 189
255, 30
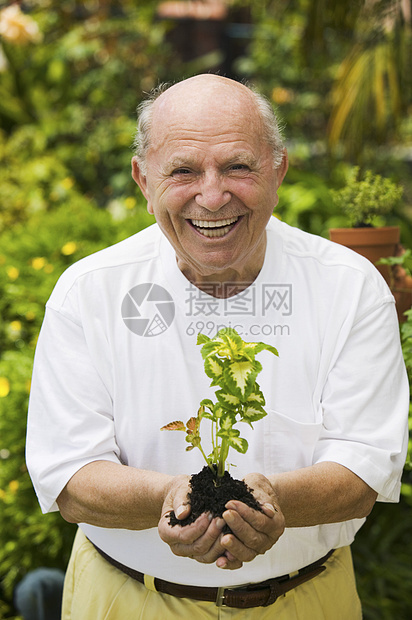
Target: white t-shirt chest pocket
289, 444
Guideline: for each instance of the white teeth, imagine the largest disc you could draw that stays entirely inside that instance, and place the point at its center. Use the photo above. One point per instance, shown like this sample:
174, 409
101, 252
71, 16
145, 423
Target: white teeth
214, 224
215, 232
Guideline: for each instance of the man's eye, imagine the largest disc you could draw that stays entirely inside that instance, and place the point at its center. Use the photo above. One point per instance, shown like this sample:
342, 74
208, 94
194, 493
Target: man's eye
182, 171
239, 167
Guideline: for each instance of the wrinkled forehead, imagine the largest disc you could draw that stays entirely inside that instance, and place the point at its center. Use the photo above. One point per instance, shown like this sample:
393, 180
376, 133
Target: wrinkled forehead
210, 107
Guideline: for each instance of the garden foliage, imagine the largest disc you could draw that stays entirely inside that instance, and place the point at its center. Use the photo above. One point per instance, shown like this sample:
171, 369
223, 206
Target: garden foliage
32, 257
70, 79
71, 75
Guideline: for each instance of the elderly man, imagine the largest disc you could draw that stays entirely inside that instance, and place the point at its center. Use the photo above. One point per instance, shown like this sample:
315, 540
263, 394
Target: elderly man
117, 359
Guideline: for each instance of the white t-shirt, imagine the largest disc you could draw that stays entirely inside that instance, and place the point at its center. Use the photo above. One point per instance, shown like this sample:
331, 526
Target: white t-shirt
117, 359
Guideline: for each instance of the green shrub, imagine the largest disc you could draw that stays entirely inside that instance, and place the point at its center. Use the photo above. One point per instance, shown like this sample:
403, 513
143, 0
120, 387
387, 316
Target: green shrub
382, 559
362, 199
28, 539
68, 100
32, 257
382, 548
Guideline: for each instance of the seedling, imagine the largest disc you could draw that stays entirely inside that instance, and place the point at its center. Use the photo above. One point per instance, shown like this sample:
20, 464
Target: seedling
230, 363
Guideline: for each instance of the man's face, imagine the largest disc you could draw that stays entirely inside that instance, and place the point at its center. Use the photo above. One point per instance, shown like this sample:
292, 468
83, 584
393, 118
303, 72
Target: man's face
210, 180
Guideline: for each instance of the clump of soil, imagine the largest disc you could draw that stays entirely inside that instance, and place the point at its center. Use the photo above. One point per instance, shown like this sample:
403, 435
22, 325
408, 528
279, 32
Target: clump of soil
210, 494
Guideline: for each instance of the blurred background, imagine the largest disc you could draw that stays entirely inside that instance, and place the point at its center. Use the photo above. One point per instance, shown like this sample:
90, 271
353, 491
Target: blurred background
71, 75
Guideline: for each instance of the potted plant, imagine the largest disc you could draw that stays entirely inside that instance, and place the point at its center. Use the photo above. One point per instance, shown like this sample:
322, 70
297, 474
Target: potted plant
230, 363
362, 200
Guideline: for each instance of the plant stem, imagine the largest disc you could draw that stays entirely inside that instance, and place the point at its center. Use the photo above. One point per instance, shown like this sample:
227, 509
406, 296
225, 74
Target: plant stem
204, 455
224, 449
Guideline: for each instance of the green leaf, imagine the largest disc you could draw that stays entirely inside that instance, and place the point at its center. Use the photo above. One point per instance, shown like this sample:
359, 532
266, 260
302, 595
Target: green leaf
194, 440
232, 344
210, 348
251, 349
239, 444
206, 402
252, 413
214, 369
268, 347
227, 420
256, 396
240, 377
228, 400
202, 339
218, 411
232, 338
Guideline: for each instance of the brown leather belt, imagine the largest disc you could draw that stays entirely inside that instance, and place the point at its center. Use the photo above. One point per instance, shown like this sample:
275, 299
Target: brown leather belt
255, 595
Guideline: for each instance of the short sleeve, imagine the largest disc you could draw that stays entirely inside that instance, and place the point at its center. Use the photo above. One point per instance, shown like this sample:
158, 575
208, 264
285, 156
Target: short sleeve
365, 403
70, 421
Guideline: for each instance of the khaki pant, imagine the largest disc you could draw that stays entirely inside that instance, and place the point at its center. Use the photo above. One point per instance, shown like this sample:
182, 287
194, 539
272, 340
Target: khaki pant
95, 590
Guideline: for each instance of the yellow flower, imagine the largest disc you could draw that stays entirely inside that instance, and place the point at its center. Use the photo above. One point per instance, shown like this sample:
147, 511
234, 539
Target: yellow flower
14, 485
17, 27
15, 326
30, 315
13, 273
4, 387
67, 183
38, 262
130, 202
48, 268
282, 95
69, 248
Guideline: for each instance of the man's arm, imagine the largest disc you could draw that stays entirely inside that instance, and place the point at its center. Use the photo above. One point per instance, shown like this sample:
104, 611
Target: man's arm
322, 493
112, 495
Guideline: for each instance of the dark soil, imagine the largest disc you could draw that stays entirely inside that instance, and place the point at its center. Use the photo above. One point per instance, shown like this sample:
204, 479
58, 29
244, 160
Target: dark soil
209, 494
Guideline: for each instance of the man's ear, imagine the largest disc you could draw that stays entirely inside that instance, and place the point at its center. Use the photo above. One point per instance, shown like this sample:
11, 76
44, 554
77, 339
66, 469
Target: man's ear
283, 168
140, 178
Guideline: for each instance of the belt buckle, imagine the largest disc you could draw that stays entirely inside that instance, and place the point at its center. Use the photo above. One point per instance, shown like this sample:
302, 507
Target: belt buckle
220, 597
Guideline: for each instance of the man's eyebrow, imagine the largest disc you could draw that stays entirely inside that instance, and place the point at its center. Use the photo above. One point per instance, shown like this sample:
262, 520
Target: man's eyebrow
242, 158
179, 162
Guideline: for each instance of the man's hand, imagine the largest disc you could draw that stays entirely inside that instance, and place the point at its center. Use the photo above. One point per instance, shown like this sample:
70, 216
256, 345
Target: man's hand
253, 532
199, 540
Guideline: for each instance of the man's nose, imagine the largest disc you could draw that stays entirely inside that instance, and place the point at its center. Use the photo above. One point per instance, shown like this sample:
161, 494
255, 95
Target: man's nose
212, 194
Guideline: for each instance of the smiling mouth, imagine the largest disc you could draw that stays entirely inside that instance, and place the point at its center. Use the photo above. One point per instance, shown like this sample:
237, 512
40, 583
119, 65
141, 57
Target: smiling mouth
219, 228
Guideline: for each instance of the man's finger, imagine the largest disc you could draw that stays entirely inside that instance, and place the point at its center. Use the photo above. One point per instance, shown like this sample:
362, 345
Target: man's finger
186, 535
228, 562
260, 521
206, 548
238, 549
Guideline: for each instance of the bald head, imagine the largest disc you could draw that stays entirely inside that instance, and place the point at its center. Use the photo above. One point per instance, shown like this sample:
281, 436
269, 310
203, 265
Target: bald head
205, 96
204, 91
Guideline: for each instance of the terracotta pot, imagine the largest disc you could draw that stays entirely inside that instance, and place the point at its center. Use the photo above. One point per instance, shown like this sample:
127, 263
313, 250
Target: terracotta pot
373, 243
